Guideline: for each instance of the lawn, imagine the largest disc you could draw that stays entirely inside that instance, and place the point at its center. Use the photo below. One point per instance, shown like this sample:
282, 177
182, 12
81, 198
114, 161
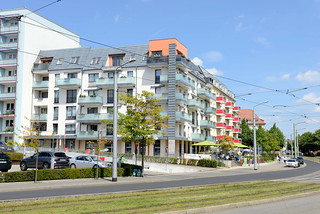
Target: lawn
158, 201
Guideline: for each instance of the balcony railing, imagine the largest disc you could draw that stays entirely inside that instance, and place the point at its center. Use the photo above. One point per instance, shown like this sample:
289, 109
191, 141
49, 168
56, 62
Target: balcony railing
8, 61
221, 99
90, 100
205, 93
184, 81
162, 97
229, 116
121, 81
207, 124
198, 137
7, 78
40, 66
182, 116
237, 119
196, 104
180, 97
94, 118
7, 96
229, 104
237, 130
221, 112
210, 110
7, 46
236, 108
221, 125
237, 140
229, 128
164, 78
211, 139
158, 60
40, 84
39, 117
7, 29
73, 82
87, 135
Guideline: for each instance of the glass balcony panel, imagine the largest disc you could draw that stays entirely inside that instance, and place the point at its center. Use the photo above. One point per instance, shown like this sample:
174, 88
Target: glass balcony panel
164, 78
8, 61
162, 97
210, 110
196, 104
8, 45
88, 118
7, 95
87, 135
182, 116
121, 81
90, 100
184, 80
158, 60
180, 97
73, 82
8, 78
211, 139
207, 124
203, 92
198, 137
40, 84
39, 117
40, 66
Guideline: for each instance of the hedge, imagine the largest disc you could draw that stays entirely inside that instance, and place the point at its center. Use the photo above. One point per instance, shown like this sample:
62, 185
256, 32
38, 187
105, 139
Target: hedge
57, 174
14, 156
207, 163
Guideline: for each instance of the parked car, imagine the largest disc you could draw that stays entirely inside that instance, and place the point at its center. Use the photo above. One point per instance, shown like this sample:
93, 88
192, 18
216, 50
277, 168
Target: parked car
300, 159
5, 148
5, 162
85, 161
61, 160
292, 163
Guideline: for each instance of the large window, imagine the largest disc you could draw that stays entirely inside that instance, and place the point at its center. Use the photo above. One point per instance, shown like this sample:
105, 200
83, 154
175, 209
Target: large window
130, 91
10, 106
157, 148
92, 127
56, 96
129, 73
110, 96
70, 144
92, 110
71, 96
157, 75
117, 60
9, 123
71, 113
55, 128
93, 77
43, 127
70, 128
72, 75
55, 113
128, 147
109, 129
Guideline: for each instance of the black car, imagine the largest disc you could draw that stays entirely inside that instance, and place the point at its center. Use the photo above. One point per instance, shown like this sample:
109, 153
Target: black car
5, 148
5, 162
300, 160
60, 160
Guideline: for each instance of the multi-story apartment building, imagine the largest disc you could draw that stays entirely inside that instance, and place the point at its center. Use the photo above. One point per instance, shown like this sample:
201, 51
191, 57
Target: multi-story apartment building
247, 114
79, 87
22, 35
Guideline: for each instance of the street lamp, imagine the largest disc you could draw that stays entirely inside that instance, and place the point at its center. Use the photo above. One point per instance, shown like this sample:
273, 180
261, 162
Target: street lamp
115, 122
298, 137
295, 138
254, 135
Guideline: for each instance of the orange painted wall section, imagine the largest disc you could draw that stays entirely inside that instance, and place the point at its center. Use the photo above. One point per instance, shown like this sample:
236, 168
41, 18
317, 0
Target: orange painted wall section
163, 45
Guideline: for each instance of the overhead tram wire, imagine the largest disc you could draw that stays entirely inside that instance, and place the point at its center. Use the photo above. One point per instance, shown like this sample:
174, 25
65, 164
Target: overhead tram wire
43, 7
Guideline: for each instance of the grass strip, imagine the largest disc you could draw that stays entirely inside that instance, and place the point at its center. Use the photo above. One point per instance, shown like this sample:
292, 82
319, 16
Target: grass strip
162, 200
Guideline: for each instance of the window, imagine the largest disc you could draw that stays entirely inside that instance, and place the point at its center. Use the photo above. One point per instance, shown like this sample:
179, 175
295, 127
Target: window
7, 138
70, 144
92, 93
43, 111
128, 147
92, 110
71, 112
55, 113
56, 96
92, 128
157, 90
110, 96
156, 148
130, 91
71, 96
156, 53
157, 75
55, 128
95, 60
93, 77
9, 123
43, 94
72, 75
117, 60
10, 106
110, 74
11, 89
12, 56
129, 73
12, 73
43, 127
109, 147
13, 40
109, 129
45, 78
59, 61
70, 128
57, 77
74, 60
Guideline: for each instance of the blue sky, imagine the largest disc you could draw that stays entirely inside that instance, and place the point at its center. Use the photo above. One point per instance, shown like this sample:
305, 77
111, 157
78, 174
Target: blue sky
268, 43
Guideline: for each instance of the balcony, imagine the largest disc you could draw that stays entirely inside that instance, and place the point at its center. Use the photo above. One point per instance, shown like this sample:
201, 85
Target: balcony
41, 102
198, 137
229, 128
158, 60
8, 62
40, 85
7, 130
206, 94
181, 98
7, 96
6, 46
210, 110
219, 138
211, 139
207, 124
221, 125
184, 62
221, 99
68, 83
184, 81
164, 78
90, 100
39, 117
8, 79
9, 29
237, 120
229, 116
94, 118
121, 82
163, 98
221, 112
40, 67
184, 117
237, 140
236, 108
196, 104
87, 135
237, 130
8, 113
229, 105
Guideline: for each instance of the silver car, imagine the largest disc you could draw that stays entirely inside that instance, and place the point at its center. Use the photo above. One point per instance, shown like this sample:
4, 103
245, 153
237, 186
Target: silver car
85, 161
293, 162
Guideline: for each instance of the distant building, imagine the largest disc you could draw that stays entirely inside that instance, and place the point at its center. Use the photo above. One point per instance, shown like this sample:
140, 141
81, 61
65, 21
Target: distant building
247, 114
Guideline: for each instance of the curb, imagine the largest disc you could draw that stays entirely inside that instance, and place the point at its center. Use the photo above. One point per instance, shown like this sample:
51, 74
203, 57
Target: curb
213, 209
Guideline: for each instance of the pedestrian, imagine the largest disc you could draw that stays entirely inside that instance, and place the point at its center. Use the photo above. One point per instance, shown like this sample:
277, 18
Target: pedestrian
279, 159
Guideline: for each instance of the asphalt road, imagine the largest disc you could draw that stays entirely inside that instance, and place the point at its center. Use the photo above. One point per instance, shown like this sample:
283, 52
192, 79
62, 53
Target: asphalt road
180, 181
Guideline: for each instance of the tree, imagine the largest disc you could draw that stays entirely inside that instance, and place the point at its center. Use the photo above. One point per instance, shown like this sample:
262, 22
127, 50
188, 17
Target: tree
307, 142
141, 121
266, 140
226, 143
277, 134
246, 134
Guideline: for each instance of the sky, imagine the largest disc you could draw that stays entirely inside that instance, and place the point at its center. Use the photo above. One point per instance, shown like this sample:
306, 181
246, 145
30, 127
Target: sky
266, 50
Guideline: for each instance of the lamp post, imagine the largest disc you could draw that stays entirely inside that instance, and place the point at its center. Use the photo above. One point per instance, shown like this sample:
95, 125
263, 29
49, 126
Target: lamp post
298, 138
295, 138
115, 122
254, 135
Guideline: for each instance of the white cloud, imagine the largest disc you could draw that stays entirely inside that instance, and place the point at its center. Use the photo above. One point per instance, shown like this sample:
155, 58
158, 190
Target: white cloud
197, 61
215, 71
261, 41
239, 27
283, 77
116, 18
311, 97
308, 77
214, 56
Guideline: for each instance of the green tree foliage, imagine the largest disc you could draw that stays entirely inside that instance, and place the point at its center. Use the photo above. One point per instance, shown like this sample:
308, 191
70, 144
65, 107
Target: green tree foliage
277, 134
226, 144
308, 142
246, 134
266, 140
142, 120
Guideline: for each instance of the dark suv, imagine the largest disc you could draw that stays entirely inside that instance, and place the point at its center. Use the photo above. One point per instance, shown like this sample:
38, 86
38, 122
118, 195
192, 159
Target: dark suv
300, 160
5, 162
60, 160
5, 148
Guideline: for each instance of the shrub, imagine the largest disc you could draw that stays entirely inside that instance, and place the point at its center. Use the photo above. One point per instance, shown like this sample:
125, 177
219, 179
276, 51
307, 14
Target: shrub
14, 156
192, 162
207, 163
